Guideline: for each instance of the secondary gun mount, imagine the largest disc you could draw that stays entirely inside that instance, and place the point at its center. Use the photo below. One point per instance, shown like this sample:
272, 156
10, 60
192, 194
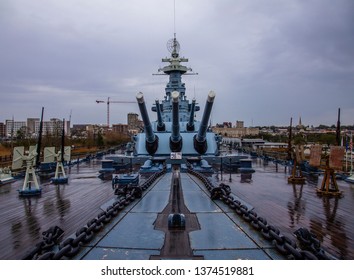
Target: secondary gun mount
152, 141
200, 143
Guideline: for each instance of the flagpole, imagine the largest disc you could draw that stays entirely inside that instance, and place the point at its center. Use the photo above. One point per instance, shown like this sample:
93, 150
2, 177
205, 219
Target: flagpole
351, 153
342, 145
346, 153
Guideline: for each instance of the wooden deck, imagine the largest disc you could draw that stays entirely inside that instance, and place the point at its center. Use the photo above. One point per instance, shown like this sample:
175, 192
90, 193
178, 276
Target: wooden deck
22, 220
71, 206
290, 207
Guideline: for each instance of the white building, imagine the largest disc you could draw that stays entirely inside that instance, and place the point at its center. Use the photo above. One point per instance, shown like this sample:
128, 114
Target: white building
53, 127
13, 126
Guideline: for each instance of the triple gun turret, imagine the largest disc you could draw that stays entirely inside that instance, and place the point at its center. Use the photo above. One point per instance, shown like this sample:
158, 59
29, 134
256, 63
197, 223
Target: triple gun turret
176, 138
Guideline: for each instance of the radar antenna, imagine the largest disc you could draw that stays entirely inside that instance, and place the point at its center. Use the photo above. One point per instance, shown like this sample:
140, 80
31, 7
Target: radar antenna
173, 46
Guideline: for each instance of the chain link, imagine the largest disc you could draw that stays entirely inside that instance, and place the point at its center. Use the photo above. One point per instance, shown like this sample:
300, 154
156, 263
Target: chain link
309, 242
50, 239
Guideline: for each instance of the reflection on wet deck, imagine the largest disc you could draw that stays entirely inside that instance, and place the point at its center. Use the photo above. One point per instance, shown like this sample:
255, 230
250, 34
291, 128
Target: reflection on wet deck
290, 207
22, 220
286, 206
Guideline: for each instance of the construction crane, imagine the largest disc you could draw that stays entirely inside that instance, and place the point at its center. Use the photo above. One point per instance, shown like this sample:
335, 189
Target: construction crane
110, 101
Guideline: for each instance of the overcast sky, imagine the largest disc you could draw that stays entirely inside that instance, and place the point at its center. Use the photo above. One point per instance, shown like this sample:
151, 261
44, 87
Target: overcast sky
267, 61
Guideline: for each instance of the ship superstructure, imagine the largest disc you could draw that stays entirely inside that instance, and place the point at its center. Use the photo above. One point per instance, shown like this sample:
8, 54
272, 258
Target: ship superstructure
176, 130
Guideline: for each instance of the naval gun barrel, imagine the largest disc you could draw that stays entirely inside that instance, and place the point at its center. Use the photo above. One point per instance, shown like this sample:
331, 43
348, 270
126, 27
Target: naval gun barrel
175, 139
160, 123
190, 124
200, 143
152, 140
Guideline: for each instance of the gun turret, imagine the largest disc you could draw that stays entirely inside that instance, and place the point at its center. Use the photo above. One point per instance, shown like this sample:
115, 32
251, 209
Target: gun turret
175, 139
152, 140
200, 143
190, 124
160, 124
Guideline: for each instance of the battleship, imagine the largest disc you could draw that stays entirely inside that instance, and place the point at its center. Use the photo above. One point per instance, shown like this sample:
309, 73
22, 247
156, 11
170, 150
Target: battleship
183, 198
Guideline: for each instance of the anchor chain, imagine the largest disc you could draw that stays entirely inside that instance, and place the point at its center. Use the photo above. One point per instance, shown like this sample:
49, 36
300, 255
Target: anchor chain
310, 242
72, 245
282, 243
50, 239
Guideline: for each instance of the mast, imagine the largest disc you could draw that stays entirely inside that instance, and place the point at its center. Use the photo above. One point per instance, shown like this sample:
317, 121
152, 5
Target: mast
62, 141
39, 140
346, 151
338, 129
289, 140
12, 135
351, 153
175, 70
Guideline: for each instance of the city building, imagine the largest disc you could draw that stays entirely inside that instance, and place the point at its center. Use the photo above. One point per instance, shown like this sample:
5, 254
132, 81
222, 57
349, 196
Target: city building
52, 127
96, 128
31, 127
79, 130
134, 124
120, 128
2, 130
12, 127
31, 124
238, 131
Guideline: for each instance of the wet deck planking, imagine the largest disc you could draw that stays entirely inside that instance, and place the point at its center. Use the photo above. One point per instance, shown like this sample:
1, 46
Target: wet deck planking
71, 206
290, 207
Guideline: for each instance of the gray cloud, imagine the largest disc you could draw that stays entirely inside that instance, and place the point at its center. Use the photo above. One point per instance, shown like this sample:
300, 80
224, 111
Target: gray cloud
266, 60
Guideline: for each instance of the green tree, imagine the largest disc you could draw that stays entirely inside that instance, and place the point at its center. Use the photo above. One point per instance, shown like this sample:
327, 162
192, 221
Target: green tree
99, 139
299, 139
